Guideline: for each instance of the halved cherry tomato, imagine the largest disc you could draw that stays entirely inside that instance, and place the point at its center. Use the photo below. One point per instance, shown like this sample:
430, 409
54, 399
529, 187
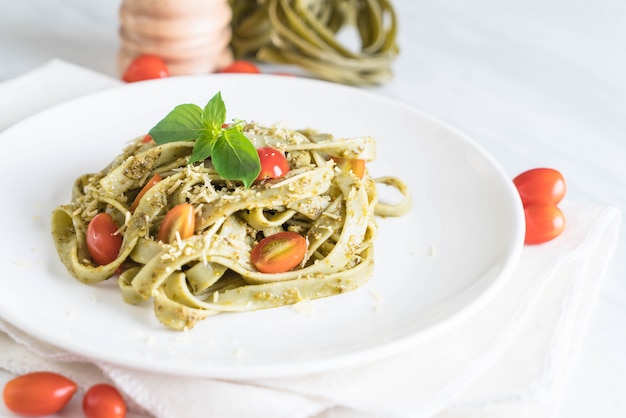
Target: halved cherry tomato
38, 393
104, 401
103, 240
540, 185
279, 252
356, 165
182, 219
241, 67
154, 180
273, 163
544, 222
145, 67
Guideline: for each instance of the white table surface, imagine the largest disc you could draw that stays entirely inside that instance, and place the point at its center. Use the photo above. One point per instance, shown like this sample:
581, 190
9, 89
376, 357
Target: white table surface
535, 82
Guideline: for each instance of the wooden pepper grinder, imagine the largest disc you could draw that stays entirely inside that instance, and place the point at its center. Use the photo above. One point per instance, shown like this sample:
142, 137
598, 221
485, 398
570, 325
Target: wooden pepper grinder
191, 36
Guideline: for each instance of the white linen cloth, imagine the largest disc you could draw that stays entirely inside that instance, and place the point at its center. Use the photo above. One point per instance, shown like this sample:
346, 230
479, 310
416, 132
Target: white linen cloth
511, 359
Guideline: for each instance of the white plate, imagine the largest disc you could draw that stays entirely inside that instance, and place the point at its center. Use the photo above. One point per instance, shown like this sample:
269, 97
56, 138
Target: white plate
434, 266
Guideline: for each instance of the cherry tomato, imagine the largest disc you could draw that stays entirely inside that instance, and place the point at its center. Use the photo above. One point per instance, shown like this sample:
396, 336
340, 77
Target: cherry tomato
145, 67
147, 139
241, 67
38, 393
279, 252
356, 165
103, 240
154, 180
273, 163
544, 222
182, 219
104, 401
540, 185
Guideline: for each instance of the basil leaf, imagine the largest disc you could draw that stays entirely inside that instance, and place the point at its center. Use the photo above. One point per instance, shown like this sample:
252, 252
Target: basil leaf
235, 157
184, 123
214, 113
202, 148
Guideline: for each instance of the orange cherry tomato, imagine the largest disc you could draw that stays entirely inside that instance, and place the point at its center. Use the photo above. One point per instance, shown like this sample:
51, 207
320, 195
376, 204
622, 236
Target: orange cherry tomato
241, 67
273, 163
39, 393
103, 240
540, 185
544, 222
279, 252
103, 401
356, 165
145, 67
182, 219
154, 180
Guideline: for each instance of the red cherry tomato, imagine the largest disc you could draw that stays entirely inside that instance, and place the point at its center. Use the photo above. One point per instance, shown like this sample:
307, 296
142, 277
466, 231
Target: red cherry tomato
241, 67
356, 165
145, 67
38, 393
182, 219
540, 185
104, 401
154, 180
103, 240
544, 222
279, 252
147, 139
273, 163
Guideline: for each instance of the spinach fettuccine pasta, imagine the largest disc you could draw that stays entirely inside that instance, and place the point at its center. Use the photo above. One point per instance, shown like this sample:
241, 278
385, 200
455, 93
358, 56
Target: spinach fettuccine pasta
198, 244
314, 35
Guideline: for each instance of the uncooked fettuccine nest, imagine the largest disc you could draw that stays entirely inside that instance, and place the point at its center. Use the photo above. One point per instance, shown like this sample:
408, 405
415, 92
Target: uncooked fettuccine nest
309, 33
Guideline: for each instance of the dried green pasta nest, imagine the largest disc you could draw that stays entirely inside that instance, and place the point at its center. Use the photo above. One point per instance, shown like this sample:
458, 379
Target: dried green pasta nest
307, 33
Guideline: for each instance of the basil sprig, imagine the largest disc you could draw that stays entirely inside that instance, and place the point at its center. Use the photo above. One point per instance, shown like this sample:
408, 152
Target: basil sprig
233, 155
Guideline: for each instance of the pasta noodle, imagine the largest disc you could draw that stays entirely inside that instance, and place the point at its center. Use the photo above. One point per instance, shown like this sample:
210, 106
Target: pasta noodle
210, 272
307, 33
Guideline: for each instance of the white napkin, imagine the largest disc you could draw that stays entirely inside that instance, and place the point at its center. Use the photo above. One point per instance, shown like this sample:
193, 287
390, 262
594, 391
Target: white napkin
511, 359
